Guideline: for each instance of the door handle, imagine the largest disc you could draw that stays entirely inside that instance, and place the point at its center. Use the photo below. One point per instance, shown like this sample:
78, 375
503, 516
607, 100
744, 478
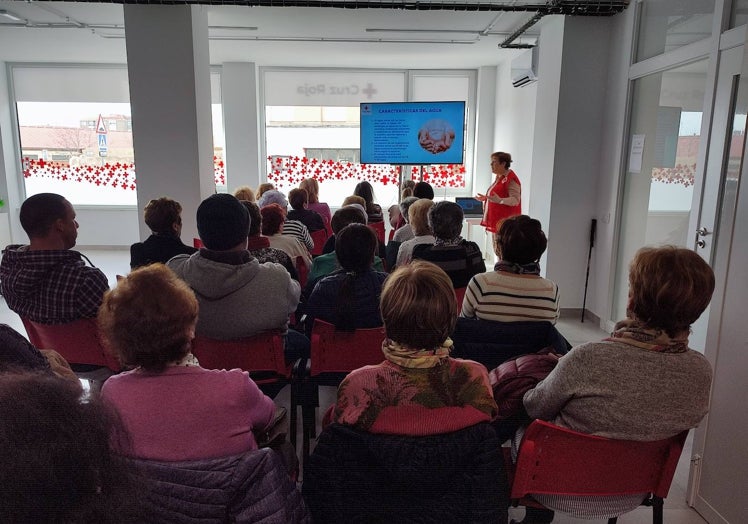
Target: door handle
701, 243
702, 232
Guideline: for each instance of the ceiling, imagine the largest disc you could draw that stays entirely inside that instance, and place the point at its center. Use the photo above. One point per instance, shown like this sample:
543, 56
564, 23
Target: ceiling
282, 36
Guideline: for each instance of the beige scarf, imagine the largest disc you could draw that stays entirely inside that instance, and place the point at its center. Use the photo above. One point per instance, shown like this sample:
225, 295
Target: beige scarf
635, 333
416, 358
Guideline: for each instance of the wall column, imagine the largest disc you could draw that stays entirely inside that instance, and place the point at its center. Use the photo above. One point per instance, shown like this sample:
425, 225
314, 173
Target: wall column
241, 124
169, 72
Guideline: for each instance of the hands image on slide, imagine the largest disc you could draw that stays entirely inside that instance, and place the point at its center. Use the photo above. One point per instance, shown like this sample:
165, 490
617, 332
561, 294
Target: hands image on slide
436, 135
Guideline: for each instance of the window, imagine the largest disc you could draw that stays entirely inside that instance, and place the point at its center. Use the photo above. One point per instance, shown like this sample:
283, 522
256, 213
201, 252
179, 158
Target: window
59, 109
312, 128
666, 25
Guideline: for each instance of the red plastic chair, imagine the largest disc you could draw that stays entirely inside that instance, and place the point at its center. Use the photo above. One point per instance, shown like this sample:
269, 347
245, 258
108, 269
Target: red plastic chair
78, 342
558, 461
319, 238
197, 243
378, 228
333, 355
460, 294
302, 270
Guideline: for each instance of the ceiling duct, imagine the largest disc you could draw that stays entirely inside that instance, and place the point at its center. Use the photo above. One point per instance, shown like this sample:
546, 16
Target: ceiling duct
551, 7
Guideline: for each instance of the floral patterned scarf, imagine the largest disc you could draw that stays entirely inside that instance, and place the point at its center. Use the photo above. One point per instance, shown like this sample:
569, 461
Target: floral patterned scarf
415, 358
533, 268
635, 333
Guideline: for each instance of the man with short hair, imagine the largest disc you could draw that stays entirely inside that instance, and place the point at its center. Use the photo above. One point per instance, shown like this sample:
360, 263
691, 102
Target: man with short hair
238, 296
46, 281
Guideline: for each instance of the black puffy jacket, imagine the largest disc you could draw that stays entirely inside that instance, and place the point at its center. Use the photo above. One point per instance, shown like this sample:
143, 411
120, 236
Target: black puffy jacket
355, 477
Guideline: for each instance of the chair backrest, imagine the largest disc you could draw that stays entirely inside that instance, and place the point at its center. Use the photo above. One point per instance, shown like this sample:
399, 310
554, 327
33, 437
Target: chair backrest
302, 270
78, 341
559, 461
197, 243
319, 238
343, 351
378, 228
262, 352
460, 294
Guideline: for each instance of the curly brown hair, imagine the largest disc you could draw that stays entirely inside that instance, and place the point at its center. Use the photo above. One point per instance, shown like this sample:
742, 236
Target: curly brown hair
669, 288
418, 305
148, 319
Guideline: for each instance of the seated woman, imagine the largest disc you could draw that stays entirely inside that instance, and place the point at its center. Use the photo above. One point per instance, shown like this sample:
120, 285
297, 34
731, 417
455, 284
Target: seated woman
373, 211
57, 460
298, 200
418, 213
261, 189
311, 186
641, 383
349, 297
420, 389
244, 193
292, 228
163, 217
273, 218
459, 258
514, 291
173, 409
259, 246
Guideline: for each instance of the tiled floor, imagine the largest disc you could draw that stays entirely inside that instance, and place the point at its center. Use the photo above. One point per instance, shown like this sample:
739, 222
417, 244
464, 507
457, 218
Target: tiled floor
114, 262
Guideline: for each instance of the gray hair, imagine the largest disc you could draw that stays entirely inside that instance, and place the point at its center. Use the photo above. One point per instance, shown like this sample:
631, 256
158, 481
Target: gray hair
273, 196
405, 204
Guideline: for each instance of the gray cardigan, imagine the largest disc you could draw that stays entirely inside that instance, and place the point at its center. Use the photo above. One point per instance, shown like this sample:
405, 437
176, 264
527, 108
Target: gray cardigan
620, 391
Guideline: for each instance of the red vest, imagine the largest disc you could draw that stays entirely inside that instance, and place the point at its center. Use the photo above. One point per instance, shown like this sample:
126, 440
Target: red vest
493, 213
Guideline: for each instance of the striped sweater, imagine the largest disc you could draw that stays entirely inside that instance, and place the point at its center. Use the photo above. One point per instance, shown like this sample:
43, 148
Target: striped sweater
507, 297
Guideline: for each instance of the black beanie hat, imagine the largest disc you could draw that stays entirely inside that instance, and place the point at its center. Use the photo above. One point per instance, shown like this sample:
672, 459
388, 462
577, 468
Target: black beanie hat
222, 222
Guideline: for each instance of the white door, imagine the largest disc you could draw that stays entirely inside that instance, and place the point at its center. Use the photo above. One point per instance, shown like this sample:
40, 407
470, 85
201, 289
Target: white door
718, 486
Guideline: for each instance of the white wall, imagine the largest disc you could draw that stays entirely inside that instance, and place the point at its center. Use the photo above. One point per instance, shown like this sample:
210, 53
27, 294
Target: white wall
514, 127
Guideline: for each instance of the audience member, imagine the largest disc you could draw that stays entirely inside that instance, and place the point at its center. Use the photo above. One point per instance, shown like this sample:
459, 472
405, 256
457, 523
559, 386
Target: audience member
292, 228
514, 291
397, 220
349, 297
273, 217
415, 391
244, 193
298, 200
18, 354
173, 409
423, 190
402, 234
410, 440
373, 210
267, 186
259, 246
459, 258
418, 218
641, 383
354, 200
312, 188
46, 281
57, 460
238, 296
163, 217
326, 263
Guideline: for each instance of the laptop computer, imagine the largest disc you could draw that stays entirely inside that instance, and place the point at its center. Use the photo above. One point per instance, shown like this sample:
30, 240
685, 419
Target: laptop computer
471, 207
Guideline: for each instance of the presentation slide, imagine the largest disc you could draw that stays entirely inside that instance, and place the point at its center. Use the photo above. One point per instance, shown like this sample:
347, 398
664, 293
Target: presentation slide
412, 133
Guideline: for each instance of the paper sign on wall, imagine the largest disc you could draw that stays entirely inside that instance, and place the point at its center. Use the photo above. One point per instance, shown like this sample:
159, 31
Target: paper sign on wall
637, 151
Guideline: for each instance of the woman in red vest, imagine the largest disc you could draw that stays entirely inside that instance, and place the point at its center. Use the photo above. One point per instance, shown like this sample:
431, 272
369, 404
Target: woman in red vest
503, 198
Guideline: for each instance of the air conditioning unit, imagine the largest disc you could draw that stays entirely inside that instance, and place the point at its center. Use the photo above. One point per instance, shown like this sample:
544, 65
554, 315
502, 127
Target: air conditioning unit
525, 68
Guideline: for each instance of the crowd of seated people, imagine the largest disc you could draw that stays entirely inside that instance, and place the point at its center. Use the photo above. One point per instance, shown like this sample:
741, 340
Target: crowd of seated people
167, 418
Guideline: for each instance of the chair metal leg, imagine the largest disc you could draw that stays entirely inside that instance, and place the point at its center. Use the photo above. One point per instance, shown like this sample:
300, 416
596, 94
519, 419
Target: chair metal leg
657, 505
612, 520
